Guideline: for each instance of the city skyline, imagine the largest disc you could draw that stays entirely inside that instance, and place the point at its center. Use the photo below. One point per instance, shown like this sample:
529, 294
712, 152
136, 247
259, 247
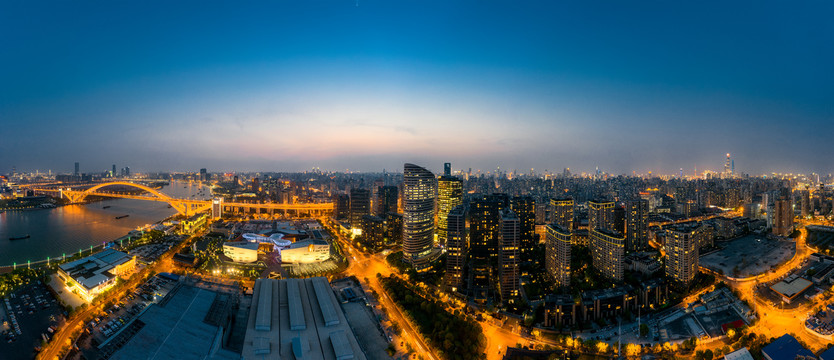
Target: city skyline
372, 85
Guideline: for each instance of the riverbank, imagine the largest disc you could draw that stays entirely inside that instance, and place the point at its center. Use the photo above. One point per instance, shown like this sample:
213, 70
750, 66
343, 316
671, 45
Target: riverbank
65, 231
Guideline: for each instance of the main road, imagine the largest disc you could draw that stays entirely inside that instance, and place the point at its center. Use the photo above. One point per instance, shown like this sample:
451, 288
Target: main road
367, 266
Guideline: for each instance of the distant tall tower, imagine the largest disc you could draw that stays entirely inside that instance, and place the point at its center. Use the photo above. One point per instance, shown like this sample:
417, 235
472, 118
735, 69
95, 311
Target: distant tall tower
113, 172
727, 166
449, 196
76, 173
447, 169
203, 174
419, 194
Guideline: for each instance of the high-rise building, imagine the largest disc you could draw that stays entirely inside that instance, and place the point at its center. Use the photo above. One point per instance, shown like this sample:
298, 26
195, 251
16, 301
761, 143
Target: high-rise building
419, 194
449, 196
360, 205
457, 247
619, 219
203, 174
217, 208
600, 215
77, 169
525, 208
113, 172
508, 255
394, 228
387, 200
483, 239
563, 212
557, 253
637, 219
608, 252
682, 243
341, 206
783, 217
447, 169
805, 203
373, 231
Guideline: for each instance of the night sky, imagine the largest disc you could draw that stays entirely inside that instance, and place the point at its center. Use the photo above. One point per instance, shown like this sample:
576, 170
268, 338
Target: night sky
284, 86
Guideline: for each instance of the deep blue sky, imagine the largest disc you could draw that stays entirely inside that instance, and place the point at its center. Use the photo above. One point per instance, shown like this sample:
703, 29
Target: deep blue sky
278, 85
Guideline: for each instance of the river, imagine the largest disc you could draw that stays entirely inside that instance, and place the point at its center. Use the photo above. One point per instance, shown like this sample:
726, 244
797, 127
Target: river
67, 229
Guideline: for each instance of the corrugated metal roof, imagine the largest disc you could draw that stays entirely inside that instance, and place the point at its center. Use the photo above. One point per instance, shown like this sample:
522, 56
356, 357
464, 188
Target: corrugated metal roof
263, 319
323, 295
295, 309
341, 346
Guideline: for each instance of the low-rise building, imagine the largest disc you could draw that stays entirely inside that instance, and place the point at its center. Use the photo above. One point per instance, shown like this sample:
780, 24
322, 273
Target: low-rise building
194, 223
96, 273
241, 251
786, 348
298, 319
306, 251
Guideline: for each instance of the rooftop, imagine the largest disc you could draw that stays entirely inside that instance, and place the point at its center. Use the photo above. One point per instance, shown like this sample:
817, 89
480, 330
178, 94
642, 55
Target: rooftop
786, 348
305, 321
792, 288
176, 330
94, 269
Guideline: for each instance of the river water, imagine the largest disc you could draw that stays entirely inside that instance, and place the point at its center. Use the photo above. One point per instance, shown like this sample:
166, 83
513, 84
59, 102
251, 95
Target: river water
67, 229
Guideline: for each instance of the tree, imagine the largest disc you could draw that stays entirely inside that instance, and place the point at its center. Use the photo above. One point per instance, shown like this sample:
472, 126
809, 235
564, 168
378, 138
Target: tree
644, 330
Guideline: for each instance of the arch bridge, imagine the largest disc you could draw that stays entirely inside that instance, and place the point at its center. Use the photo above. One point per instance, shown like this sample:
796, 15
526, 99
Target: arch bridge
183, 206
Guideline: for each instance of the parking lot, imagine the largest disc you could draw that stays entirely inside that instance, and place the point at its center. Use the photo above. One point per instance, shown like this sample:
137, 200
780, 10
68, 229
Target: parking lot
29, 317
104, 331
749, 255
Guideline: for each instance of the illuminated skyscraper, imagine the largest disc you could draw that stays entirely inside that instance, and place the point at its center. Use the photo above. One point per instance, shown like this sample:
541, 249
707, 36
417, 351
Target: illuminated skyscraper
563, 212
682, 254
600, 215
360, 205
727, 170
525, 208
557, 254
419, 193
457, 247
783, 217
483, 239
608, 252
387, 200
637, 219
508, 255
449, 196
217, 208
